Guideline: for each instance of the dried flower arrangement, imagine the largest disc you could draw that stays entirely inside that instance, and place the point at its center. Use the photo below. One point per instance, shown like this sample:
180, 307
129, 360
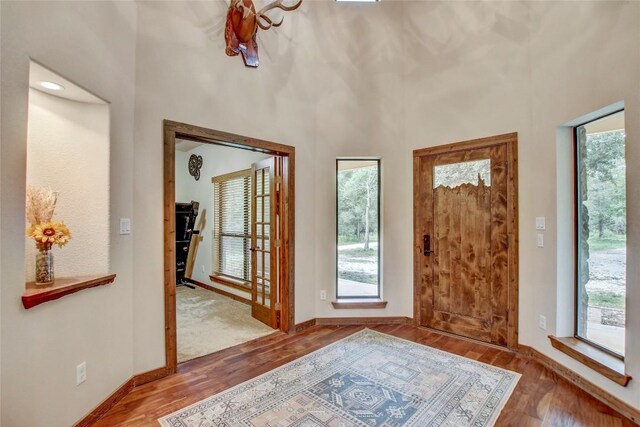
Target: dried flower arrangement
41, 205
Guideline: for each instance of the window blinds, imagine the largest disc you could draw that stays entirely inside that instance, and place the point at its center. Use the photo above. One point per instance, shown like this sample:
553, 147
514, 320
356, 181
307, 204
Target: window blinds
232, 225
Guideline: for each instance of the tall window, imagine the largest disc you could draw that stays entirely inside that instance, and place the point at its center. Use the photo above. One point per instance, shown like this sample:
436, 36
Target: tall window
601, 232
358, 228
232, 225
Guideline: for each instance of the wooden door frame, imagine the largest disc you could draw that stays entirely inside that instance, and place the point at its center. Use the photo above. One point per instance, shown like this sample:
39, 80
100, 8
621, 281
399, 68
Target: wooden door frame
173, 130
511, 142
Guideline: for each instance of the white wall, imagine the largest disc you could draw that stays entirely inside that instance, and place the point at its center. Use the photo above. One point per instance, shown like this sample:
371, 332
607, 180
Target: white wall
381, 80
217, 160
68, 151
92, 44
583, 59
184, 75
335, 80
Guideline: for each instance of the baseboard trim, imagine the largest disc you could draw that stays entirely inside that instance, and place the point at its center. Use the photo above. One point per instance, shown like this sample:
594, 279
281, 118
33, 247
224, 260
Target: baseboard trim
344, 321
135, 381
463, 338
578, 380
92, 417
304, 325
149, 376
219, 291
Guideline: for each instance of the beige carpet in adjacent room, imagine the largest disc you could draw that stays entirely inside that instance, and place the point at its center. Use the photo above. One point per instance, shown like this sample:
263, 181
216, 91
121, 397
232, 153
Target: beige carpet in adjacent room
208, 322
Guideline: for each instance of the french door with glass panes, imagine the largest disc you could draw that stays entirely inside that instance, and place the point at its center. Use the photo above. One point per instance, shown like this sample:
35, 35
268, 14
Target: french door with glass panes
265, 240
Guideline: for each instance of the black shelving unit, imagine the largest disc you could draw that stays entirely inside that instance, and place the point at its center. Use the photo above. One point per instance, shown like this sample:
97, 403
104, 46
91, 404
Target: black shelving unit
186, 214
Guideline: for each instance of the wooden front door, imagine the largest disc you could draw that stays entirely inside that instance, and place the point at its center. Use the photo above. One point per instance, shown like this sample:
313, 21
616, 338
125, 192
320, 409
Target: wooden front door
265, 229
464, 239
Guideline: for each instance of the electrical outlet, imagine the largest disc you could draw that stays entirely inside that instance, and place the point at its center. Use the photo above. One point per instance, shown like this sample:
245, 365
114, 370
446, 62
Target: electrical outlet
81, 373
540, 240
323, 295
542, 322
125, 226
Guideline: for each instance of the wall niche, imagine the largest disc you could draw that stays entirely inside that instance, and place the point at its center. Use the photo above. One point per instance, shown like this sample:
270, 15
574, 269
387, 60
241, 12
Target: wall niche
68, 153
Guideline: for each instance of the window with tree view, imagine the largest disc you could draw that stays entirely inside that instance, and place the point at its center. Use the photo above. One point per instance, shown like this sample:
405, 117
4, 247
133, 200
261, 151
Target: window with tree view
601, 232
358, 228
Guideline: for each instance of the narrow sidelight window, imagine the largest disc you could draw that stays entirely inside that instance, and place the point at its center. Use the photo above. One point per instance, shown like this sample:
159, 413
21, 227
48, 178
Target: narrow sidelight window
601, 231
358, 228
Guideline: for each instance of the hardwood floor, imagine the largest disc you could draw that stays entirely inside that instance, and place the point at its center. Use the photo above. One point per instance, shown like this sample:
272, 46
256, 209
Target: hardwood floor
540, 398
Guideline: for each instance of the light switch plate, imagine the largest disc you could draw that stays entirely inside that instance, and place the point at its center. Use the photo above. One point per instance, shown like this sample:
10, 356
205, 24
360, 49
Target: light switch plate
540, 240
542, 322
81, 373
125, 226
540, 223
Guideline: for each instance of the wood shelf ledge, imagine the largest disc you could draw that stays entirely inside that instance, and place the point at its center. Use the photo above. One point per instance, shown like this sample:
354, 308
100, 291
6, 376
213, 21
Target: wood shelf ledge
596, 359
36, 295
358, 303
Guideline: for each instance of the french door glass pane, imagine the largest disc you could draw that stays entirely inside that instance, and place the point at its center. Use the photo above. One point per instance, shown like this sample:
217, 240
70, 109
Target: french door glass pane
602, 232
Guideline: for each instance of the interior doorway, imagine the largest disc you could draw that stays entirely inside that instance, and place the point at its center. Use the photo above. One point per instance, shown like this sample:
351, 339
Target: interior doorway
228, 239
466, 239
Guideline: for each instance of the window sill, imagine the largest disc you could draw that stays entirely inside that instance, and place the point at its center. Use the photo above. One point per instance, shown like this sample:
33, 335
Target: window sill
596, 359
36, 295
233, 283
359, 303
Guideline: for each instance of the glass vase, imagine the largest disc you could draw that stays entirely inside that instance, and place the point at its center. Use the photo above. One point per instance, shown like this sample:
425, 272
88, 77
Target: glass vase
44, 268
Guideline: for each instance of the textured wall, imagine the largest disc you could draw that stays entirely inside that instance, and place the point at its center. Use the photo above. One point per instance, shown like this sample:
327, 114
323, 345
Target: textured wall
68, 151
381, 80
335, 80
93, 45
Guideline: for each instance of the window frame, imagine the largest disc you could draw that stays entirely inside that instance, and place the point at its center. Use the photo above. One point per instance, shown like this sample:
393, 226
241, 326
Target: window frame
577, 220
379, 223
217, 234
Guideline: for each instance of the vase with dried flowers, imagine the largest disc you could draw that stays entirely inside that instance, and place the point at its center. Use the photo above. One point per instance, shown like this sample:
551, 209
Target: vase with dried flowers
41, 205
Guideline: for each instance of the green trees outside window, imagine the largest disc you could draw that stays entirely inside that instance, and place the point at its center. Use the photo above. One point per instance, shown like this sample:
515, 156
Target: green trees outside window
358, 223
601, 229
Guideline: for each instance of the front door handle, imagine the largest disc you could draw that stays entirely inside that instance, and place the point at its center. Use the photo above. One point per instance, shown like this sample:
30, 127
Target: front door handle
426, 245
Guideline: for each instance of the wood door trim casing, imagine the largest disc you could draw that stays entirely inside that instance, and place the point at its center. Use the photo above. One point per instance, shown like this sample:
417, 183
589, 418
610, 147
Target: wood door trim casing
466, 145
173, 130
510, 140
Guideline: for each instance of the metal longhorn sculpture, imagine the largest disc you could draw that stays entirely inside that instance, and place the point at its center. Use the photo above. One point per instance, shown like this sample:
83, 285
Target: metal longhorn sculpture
242, 26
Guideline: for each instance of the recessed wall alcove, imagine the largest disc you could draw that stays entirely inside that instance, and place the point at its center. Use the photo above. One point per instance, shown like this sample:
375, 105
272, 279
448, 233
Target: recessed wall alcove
68, 153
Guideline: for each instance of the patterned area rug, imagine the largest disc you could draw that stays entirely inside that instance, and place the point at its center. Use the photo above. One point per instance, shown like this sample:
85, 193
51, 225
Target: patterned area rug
366, 379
